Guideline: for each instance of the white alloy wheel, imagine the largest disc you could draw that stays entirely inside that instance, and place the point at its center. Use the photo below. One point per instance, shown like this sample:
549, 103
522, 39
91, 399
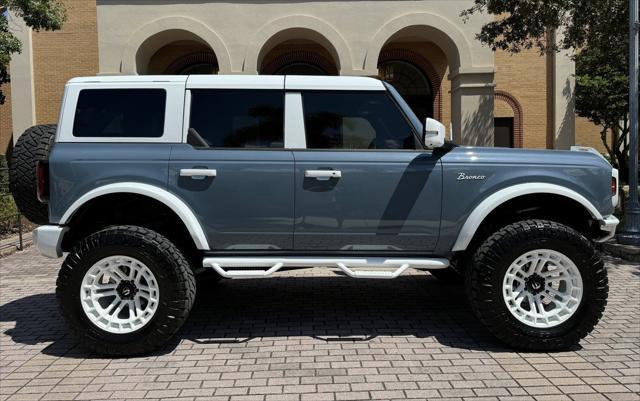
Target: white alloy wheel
542, 288
119, 294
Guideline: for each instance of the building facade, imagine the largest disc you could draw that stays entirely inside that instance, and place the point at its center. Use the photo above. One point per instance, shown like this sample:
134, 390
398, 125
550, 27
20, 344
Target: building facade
424, 48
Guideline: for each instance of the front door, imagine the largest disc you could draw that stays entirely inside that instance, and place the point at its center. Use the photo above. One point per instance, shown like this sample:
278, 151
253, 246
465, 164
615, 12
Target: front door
364, 183
234, 171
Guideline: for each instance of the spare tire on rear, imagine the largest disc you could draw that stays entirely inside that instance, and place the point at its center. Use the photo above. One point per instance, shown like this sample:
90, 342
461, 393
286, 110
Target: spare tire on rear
32, 146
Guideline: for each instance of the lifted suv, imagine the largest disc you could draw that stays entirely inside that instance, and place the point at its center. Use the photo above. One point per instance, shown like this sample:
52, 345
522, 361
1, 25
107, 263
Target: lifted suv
148, 182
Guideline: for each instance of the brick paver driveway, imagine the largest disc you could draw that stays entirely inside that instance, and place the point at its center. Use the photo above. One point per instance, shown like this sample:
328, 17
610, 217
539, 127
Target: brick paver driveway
314, 338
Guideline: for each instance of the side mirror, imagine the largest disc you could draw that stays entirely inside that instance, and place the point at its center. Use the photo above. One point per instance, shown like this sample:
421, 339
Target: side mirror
434, 133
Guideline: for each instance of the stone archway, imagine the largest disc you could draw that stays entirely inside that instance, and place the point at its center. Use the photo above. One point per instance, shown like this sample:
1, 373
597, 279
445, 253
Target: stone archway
471, 104
146, 41
433, 28
298, 27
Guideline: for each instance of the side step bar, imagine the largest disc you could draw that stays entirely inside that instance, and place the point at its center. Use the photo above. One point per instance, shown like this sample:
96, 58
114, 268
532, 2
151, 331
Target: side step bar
382, 268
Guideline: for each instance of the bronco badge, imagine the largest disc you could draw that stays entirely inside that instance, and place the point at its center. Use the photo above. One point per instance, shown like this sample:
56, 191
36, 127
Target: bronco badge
464, 177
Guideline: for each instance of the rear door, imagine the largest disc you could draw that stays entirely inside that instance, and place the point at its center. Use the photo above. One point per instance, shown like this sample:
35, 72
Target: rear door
234, 171
364, 182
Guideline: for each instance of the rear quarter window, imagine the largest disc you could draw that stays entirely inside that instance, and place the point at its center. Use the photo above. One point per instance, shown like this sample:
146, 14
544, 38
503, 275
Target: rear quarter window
120, 113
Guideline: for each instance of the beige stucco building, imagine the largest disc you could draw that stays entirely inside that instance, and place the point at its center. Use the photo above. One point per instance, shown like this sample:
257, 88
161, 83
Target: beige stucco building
423, 47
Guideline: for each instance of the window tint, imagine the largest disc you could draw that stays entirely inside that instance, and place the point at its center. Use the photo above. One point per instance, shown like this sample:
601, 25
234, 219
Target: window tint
355, 120
238, 118
127, 113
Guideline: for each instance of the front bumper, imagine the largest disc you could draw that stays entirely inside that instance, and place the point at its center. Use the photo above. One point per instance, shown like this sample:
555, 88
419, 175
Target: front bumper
48, 240
608, 227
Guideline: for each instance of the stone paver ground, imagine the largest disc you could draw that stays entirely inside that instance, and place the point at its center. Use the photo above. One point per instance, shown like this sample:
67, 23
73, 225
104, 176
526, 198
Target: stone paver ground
326, 337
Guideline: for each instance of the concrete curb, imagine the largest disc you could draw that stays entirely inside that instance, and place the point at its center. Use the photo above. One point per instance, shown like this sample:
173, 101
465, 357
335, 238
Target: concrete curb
626, 252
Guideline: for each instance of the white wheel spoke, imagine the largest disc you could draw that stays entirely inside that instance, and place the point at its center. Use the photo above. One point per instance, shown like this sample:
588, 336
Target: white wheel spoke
103, 294
119, 308
551, 284
119, 277
540, 306
555, 294
532, 304
144, 288
117, 273
519, 297
536, 265
137, 306
101, 287
112, 305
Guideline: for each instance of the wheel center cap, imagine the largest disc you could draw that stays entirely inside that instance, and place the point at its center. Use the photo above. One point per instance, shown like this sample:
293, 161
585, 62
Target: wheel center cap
127, 289
534, 284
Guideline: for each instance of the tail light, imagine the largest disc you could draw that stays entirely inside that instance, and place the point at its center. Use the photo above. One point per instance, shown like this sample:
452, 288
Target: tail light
42, 179
615, 197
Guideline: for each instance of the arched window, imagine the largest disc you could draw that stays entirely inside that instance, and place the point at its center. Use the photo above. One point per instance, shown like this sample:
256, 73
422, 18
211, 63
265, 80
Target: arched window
412, 84
300, 62
300, 69
201, 63
415, 78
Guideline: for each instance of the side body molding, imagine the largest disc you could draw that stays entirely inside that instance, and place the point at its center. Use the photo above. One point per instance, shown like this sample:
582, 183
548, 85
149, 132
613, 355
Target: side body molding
496, 199
170, 200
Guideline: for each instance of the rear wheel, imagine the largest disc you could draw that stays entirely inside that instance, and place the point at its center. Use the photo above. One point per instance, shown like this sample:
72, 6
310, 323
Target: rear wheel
125, 290
538, 285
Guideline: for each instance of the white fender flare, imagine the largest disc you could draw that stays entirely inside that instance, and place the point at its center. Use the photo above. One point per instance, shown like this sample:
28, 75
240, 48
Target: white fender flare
167, 198
498, 198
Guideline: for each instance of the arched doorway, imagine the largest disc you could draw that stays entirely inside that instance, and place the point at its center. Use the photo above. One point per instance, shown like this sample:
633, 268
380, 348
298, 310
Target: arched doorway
508, 121
415, 79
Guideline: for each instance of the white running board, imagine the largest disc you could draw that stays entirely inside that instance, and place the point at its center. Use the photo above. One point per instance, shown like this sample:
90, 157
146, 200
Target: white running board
383, 268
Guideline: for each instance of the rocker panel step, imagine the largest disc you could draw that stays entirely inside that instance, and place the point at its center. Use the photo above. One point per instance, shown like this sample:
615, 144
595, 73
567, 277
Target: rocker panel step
380, 268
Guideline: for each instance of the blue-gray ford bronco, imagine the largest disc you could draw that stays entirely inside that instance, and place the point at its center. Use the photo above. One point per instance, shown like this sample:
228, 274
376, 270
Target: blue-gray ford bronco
150, 183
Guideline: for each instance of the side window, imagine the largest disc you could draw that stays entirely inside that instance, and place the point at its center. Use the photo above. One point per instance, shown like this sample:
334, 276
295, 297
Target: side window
237, 118
355, 120
124, 113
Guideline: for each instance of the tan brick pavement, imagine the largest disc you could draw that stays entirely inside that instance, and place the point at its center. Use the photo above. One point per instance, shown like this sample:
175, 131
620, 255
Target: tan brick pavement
326, 337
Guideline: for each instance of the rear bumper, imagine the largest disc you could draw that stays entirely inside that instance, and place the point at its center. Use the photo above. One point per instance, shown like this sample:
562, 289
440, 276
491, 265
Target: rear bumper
608, 227
48, 240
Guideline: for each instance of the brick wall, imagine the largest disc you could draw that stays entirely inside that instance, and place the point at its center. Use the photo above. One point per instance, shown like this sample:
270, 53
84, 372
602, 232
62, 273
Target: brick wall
523, 76
588, 134
64, 54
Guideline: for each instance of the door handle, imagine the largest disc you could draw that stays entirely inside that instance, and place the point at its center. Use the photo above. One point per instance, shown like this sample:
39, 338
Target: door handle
323, 174
198, 173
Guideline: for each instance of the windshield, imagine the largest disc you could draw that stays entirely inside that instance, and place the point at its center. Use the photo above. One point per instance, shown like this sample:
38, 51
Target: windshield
415, 121
406, 109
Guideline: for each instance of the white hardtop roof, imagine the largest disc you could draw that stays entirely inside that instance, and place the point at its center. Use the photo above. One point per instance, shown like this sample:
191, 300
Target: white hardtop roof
109, 79
289, 82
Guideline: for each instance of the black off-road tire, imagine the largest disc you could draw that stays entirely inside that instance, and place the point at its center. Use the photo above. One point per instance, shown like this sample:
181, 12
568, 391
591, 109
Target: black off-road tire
32, 146
484, 282
449, 275
177, 289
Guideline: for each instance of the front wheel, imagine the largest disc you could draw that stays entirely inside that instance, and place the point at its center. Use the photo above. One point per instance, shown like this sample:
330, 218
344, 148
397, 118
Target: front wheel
125, 290
538, 285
